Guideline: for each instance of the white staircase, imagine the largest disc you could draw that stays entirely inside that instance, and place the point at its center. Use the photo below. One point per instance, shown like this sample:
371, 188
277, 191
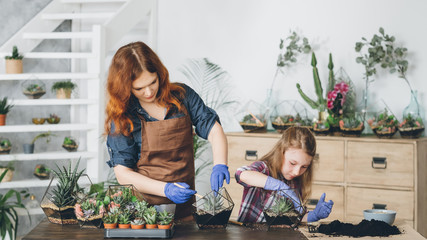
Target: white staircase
98, 28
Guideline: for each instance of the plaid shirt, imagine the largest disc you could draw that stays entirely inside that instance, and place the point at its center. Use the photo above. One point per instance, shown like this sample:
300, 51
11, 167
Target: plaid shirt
254, 198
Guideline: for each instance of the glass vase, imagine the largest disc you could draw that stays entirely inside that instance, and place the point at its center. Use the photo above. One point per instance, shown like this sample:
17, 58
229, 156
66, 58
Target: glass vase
412, 124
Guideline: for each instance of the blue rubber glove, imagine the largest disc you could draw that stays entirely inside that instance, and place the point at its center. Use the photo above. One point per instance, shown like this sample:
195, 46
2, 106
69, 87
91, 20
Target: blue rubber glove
322, 210
219, 173
178, 195
277, 185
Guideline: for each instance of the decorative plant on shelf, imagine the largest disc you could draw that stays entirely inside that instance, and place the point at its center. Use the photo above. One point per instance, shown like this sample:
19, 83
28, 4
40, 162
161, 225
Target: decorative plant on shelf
58, 201
42, 172
14, 62
4, 110
384, 125
8, 215
165, 219
29, 147
9, 168
321, 128
33, 89
411, 126
63, 89
53, 119
351, 127
70, 144
5, 145
321, 103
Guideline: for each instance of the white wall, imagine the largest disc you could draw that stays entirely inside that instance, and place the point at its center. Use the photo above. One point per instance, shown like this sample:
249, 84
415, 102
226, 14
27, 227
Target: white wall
243, 36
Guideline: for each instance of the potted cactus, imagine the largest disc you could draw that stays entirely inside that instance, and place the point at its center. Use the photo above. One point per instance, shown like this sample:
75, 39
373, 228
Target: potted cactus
165, 220
14, 62
63, 89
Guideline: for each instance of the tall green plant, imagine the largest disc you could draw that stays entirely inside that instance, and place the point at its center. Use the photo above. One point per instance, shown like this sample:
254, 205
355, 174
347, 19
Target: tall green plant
8, 216
63, 194
4, 106
320, 103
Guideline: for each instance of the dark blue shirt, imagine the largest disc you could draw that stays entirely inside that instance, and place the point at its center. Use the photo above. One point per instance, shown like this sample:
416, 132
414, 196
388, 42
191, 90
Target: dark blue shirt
126, 151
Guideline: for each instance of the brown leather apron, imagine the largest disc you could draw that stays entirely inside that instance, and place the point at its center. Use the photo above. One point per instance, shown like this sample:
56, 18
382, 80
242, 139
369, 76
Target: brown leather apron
167, 155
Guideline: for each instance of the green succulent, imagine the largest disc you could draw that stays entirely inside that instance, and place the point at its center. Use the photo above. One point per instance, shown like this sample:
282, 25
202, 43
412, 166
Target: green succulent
150, 215
15, 54
281, 206
4, 107
213, 203
165, 218
124, 217
63, 194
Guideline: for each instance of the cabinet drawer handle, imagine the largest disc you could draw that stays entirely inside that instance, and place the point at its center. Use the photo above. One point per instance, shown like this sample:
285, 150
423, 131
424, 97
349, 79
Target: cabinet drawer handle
379, 206
251, 155
379, 161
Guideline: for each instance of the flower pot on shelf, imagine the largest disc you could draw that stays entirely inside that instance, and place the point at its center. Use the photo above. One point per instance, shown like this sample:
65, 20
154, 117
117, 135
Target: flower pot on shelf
14, 66
53, 119
110, 225
28, 148
213, 210
411, 133
150, 226
63, 93
70, 144
38, 121
137, 226
383, 124
41, 172
124, 226
321, 128
2, 119
9, 175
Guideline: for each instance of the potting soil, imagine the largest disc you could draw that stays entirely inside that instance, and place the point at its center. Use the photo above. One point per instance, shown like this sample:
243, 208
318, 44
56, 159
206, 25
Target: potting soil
364, 228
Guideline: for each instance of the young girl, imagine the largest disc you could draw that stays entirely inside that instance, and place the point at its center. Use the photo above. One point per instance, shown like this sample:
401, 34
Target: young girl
287, 166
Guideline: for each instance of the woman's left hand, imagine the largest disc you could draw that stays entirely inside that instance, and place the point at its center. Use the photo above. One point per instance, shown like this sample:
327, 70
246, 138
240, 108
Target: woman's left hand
219, 173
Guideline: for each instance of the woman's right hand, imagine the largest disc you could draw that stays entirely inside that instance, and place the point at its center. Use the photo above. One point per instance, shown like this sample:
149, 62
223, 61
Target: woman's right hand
178, 194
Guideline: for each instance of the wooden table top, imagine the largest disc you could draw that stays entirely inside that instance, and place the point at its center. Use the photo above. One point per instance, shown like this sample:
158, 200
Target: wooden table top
47, 230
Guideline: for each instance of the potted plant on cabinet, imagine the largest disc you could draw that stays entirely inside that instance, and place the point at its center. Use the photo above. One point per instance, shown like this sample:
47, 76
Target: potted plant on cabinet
58, 201
165, 220
8, 215
29, 147
411, 127
14, 62
384, 125
70, 144
351, 127
9, 168
5, 146
213, 210
42, 172
53, 119
63, 89
4, 110
321, 128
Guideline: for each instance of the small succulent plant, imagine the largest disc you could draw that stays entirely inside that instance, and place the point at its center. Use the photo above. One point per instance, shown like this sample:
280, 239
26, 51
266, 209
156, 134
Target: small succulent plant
165, 218
138, 221
150, 215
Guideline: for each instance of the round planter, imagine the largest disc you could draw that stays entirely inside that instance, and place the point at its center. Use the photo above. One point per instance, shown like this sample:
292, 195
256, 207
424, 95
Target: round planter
63, 93
28, 148
110, 225
164, 226
14, 66
137, 226
151, 226
124, 226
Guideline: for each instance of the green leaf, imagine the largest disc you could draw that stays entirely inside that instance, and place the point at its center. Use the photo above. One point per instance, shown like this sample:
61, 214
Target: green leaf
381, 30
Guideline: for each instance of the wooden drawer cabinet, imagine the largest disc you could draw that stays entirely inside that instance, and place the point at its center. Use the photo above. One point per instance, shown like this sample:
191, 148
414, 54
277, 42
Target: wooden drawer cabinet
388, 164
354, 172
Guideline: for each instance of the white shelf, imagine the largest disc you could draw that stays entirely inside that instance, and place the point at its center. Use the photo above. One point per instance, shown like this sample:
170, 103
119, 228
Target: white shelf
56, 35
34, 182
47, 156
48, 76
54, 101
46, 127
93, 1
70, 16
55, 55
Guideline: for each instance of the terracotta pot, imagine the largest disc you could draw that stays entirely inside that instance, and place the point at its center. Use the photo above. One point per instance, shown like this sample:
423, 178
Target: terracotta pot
137, 226
63, 93
110, 225
124, 225
164, 226
151, 226
2, 119
14, 66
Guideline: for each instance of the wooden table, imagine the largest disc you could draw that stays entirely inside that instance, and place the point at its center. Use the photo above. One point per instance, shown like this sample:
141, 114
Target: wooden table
47, 230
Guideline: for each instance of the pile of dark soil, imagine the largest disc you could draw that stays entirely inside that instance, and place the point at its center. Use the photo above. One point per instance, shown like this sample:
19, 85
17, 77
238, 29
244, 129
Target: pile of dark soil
364, 228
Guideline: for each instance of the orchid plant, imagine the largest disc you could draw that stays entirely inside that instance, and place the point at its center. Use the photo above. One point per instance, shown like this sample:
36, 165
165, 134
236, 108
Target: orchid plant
335, 102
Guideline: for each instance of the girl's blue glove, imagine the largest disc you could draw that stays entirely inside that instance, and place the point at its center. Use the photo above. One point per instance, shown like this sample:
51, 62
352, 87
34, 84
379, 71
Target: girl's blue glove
219, 173
178, 195
277, 185
322, 210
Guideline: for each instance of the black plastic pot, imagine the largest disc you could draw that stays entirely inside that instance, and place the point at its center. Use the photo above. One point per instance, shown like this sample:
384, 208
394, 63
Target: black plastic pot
28, 148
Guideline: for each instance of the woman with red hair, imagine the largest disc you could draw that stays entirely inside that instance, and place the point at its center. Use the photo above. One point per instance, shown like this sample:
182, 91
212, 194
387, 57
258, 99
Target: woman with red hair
149, 124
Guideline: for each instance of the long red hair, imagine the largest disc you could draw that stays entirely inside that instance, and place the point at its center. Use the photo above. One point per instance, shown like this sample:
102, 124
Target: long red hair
127, 65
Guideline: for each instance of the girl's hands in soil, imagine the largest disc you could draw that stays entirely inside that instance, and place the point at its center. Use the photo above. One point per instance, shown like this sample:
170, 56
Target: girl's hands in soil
322, 210
284, 190
177, 194
218, 175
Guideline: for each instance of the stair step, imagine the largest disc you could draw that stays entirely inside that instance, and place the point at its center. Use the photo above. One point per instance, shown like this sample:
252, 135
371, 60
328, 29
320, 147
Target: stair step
49, 76
93, 1
57, 35
70, 16
66, 55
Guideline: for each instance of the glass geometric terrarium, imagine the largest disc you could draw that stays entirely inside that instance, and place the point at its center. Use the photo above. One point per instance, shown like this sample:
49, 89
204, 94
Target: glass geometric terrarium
351, 126
383, 124
252, 117
70, 144
290, 113
90, 211
283, 207
213, 210
122, 195
5, 145
61, 194
412, 124
33, 89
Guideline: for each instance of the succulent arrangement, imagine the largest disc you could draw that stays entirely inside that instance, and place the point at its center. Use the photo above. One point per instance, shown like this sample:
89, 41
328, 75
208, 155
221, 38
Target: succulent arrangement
281, 210
41, 171
34, 91
5, 145
253, 123
70, 144
411, 126
351, 127
384, 125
